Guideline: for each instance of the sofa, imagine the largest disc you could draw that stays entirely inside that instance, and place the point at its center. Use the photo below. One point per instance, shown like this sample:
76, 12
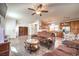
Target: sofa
62, 51
46, 38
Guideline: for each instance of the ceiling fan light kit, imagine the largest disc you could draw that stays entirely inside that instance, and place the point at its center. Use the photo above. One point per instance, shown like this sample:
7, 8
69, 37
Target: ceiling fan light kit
39, 10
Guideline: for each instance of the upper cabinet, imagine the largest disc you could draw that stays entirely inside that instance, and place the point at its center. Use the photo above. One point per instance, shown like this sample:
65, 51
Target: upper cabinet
3, 9
75, 27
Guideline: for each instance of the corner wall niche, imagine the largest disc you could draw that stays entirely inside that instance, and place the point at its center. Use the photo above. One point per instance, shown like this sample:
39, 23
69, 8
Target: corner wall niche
3, 9
2, 21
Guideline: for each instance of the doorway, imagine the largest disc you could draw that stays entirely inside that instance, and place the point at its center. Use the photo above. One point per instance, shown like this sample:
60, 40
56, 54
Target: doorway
23, 31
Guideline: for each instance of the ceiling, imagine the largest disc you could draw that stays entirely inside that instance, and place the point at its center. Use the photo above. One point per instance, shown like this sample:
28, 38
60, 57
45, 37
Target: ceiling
57, 12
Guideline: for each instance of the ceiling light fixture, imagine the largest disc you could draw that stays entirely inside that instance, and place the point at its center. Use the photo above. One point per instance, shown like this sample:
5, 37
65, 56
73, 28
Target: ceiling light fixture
38, 12
39, 9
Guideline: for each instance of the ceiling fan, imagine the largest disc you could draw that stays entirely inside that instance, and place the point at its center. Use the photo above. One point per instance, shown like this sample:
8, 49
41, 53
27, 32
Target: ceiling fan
38, 10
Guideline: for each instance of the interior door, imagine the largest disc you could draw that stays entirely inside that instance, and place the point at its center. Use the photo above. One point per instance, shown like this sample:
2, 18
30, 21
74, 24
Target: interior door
23, 31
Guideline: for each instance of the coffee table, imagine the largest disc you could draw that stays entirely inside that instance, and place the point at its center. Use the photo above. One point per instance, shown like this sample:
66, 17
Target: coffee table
33, 45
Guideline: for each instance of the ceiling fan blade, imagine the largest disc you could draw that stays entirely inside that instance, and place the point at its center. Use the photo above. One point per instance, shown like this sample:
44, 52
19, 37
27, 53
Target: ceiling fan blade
33, 13
44, 11
31, 9
40, 6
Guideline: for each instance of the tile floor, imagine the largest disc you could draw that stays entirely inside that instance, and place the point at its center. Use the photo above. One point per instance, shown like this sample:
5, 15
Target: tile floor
17, 48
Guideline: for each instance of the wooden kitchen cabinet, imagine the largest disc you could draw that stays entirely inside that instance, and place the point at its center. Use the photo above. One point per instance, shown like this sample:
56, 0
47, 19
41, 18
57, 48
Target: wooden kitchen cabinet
74, 27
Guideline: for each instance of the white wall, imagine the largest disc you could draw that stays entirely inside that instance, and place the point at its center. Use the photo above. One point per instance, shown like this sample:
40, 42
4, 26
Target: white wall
10, 28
